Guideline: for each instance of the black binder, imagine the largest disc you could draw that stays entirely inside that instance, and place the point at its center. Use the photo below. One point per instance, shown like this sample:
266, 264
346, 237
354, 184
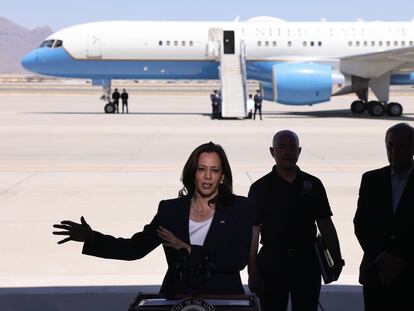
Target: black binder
325, 260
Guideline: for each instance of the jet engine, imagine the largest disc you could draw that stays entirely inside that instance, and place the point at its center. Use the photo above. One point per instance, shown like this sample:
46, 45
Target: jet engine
299, 83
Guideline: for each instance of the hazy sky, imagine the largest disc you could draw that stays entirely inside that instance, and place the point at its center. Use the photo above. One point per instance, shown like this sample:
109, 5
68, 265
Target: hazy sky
59, 14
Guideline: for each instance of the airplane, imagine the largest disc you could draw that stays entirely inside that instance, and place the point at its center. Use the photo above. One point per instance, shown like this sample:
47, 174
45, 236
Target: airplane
296, 63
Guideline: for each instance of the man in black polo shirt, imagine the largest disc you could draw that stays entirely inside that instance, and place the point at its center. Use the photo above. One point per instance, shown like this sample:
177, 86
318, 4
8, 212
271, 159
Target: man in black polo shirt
290, 203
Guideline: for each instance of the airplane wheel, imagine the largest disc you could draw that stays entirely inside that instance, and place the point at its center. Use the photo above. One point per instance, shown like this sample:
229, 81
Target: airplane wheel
358, 106
394, 109
109, 108
375, 109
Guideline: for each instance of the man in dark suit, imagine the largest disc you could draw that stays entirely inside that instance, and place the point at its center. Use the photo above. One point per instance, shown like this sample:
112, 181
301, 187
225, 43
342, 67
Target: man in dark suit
258, 100
115, 97
215, 104
124, 97
384, 226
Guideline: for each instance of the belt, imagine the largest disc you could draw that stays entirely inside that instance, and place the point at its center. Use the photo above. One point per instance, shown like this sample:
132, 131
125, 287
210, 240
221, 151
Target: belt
291, 251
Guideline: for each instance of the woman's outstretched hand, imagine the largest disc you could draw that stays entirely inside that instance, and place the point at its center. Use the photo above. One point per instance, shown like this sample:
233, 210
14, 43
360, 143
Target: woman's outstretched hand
76, 232
171, 240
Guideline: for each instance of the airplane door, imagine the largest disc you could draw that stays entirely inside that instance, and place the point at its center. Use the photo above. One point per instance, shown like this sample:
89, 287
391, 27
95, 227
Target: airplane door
228, 41
94, 46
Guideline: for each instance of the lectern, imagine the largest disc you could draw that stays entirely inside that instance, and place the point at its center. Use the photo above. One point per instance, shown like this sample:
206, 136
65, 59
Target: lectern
158, 302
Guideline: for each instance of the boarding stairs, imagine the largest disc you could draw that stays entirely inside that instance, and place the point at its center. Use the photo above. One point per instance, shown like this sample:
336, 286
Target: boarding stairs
233, 85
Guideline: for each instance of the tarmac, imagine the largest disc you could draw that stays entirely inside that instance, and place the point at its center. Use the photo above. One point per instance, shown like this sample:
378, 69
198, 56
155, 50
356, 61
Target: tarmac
61, 158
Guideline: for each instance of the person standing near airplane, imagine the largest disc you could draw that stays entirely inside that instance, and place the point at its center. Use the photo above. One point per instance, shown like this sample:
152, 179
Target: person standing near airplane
258, 99
207, 230
215, 104
291, 205
115, 98
124, 98
250, 106
384, 226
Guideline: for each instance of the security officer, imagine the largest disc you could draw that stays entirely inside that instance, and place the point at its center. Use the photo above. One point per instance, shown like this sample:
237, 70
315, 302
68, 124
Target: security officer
258, 99
215, 104
290, 203
115, 97
124, 98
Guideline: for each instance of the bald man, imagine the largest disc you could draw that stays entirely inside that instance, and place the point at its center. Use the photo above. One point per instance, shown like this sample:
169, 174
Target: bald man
291, 206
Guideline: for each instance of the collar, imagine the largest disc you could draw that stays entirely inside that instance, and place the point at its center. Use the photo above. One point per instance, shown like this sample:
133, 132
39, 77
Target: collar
298, 172
404, 175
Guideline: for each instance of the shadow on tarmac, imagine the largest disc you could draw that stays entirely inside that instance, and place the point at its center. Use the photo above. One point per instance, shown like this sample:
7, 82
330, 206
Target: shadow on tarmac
339, 113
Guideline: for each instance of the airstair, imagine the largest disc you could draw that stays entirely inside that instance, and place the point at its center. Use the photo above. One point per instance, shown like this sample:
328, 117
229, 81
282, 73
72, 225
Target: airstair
233, 85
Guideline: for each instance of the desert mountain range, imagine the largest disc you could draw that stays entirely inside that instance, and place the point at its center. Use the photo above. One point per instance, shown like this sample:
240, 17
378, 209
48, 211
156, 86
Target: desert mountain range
15, 42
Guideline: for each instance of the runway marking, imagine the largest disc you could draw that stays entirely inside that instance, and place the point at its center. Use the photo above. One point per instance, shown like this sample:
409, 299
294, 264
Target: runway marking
18, 183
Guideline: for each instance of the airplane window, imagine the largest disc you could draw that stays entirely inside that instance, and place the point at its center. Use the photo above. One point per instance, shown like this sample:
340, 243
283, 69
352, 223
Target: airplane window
365, 43
274, 43
320, 43
175, 43
395, 43
160, 43
168, 43
266, 43
402, 43
311, 43
44, 43
304, 43
380, 43
357, 43
182, 43
191, 43
259, 43
388, 43
50, 43
350, 43
372, 43
58, 44
289, 43
411, 43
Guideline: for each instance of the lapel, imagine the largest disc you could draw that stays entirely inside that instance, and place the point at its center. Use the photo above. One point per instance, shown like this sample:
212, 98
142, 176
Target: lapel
386, 191
406, 196
218, 226
182, 225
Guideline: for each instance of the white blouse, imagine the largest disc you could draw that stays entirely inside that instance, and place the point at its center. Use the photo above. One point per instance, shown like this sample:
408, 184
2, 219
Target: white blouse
198, 231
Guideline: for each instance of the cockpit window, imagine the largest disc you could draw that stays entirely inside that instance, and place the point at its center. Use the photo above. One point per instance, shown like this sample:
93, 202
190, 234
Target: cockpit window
44, 43
58, 44
50, 43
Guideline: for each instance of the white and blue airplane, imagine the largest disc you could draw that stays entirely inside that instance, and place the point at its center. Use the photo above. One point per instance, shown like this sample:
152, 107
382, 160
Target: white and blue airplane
297, 63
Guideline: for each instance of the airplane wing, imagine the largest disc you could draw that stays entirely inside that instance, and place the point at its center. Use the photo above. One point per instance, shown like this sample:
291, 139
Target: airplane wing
374, 65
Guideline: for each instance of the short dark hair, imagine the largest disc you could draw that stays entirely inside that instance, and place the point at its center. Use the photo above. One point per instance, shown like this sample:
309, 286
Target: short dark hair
401, 127
225, 191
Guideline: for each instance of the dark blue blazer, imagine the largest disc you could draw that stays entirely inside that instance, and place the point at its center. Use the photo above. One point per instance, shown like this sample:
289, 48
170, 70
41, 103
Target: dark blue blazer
378, 229
227, 245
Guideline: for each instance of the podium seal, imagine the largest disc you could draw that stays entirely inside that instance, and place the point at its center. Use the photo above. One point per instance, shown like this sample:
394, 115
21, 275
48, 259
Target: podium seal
192, 304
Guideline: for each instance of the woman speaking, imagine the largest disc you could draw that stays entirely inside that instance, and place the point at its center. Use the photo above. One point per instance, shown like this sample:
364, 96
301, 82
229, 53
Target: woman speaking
205, 232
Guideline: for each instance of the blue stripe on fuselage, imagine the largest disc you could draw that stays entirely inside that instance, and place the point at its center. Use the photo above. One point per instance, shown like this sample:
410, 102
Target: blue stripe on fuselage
57, 62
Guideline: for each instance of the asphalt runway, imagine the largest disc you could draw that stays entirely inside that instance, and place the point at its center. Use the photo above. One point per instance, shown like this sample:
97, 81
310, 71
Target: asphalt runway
61, 157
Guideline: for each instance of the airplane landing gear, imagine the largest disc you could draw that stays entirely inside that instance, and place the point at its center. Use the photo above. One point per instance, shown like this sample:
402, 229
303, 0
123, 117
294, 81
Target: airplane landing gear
394, 109
109, 108
375, 108
358, 106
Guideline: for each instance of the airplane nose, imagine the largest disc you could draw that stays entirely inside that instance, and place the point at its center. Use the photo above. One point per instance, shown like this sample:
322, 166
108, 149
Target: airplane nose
30, 61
